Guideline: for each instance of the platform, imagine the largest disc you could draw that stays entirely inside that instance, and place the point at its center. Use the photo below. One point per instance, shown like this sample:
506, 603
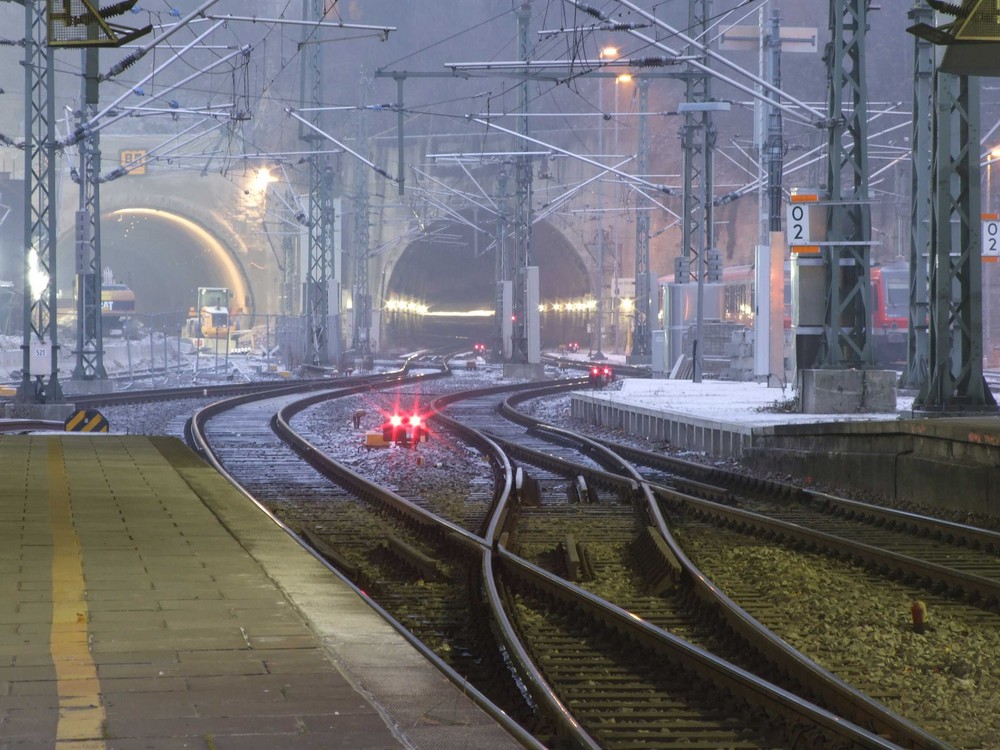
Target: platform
718, 417
953, 463
145, 603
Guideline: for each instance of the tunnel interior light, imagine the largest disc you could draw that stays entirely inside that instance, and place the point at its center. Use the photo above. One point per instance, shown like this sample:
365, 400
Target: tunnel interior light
415, 307
400, 305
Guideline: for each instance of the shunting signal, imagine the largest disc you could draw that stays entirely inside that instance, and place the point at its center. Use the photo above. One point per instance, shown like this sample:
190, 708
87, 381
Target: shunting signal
397, 430
600, 376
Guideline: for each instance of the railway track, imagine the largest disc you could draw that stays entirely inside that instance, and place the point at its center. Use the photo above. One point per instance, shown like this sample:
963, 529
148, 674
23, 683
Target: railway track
424, 575
896, 557
445, 544
941, 554
414, 568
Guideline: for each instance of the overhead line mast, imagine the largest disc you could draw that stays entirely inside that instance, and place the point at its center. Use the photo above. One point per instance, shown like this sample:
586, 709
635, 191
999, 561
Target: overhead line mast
918, 347
846, 342
642, 316
523, 174
967, 48
361, 296
698, 145
48, 25
40, 344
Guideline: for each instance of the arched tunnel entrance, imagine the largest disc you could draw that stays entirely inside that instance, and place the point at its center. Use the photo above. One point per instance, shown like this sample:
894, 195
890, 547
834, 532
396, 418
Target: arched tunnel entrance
451, 270
164, 257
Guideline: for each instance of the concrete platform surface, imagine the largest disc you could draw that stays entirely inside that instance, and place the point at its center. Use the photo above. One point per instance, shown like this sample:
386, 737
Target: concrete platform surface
951, 463
144, 603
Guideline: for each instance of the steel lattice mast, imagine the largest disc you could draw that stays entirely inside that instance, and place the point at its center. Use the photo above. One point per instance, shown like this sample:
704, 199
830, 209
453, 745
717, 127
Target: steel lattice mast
504, 259
320, 219
955, 380
523, 169
846, 338
774, 146
89, 331
642, 316
40, 328
698, 145
290, 269
918, 346
362, 301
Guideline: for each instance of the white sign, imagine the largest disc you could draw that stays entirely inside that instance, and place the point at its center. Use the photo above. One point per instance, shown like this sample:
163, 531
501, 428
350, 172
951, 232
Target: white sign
991, 238
806, 222
798, 224
40, 362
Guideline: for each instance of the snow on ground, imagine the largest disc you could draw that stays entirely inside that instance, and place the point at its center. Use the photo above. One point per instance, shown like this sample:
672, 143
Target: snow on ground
746, 403
725, 401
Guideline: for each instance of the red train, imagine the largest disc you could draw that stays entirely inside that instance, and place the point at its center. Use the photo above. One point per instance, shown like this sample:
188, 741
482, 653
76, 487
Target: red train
890, 311
890, 305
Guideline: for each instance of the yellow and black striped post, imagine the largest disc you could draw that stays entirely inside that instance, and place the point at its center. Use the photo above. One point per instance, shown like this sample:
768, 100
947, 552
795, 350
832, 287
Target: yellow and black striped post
86, 420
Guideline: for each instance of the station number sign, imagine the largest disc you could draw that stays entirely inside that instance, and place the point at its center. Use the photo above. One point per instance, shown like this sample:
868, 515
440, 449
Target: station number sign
128, 156
991, 237
806, 224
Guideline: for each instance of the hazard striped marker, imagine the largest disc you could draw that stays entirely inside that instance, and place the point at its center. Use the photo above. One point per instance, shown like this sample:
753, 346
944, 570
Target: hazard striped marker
86, 420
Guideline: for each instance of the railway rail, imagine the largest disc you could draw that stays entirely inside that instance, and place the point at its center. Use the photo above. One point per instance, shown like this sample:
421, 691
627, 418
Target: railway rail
425, 545
577, 525
892, 550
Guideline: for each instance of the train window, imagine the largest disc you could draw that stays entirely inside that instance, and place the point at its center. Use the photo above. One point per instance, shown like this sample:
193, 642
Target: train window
897, 291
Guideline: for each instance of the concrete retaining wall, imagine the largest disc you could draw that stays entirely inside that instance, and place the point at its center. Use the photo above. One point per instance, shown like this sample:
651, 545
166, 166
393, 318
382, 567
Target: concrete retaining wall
951, 464
690, 433
945, 463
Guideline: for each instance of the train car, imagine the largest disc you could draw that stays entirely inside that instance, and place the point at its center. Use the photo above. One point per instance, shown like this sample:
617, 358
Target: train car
890, 311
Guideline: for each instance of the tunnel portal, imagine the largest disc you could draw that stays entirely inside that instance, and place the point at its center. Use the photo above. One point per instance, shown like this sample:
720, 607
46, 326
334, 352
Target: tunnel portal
164, 257
451, 269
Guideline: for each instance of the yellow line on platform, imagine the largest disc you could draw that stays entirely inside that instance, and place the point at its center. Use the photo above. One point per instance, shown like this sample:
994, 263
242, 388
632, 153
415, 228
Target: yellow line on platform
81, 713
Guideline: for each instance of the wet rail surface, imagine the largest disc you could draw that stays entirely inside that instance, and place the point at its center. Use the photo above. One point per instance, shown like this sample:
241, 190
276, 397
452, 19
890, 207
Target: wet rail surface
415, 559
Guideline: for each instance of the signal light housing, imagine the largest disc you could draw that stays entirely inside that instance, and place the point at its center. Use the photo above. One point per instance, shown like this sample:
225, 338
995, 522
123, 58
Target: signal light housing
600, 376
392, 429
406, 431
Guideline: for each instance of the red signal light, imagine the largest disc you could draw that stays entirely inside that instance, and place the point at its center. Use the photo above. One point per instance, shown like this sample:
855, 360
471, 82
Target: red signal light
415, 420
395, 420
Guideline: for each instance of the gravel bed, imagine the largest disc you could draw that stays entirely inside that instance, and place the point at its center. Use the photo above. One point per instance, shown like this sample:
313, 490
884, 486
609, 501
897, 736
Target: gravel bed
442, 467
919, 676
152, 419
952, 692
